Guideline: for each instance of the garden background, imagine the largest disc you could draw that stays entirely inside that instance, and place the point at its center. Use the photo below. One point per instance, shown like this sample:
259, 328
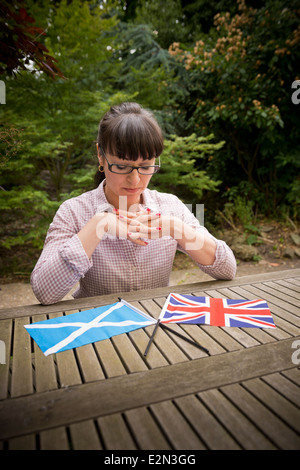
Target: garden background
222, 78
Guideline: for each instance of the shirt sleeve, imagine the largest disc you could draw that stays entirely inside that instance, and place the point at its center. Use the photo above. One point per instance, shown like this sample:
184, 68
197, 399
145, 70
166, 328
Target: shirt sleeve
63, 261
224, 265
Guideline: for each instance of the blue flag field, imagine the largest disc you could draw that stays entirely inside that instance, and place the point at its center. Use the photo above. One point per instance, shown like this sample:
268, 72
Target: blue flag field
89, 326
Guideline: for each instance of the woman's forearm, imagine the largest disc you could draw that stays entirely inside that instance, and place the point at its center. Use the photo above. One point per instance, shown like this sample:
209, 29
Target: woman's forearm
199, 246
91, 234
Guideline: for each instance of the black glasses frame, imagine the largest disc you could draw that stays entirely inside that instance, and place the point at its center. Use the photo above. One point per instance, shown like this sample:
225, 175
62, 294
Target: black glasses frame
156, 168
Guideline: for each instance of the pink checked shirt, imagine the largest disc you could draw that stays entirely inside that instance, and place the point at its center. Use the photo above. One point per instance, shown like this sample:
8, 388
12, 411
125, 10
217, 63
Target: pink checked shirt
117, 265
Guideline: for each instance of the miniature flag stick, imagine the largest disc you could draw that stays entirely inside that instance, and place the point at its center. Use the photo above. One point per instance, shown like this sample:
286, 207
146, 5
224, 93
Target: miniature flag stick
165, 327
151, 338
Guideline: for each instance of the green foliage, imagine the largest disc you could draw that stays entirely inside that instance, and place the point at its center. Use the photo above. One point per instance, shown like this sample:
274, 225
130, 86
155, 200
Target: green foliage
165, 17
145, 66
228, 74
48, 128
38, 211
183, 163
238, 80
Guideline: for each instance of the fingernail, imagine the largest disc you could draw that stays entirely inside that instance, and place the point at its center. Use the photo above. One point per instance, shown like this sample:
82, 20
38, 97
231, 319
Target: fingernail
158, 214
121, 217
158, 228
146, 243
149, 210
115, 210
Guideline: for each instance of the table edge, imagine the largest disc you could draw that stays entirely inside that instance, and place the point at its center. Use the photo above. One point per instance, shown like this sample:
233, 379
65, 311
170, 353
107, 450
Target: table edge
90, 302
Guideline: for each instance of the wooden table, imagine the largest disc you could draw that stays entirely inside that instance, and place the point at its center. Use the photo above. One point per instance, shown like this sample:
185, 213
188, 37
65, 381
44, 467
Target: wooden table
107, 395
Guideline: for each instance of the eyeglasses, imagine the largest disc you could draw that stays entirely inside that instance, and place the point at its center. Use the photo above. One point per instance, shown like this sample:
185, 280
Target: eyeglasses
126, 169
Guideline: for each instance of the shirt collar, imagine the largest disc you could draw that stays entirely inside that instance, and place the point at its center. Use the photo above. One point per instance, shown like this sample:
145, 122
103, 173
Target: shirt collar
103, 204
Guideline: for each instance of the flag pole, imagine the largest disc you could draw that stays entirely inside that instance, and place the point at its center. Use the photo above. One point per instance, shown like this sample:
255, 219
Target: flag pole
151, 338
165, 327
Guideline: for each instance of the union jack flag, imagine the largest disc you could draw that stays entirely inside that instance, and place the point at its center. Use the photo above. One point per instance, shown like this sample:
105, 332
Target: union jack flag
216, 312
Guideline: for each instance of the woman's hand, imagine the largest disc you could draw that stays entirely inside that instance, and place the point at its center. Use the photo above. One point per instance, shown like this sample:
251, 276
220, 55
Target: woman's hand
128, 225
158, 225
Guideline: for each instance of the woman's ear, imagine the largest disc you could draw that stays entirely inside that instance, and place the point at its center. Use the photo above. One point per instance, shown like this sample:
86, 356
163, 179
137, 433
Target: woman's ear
99, 155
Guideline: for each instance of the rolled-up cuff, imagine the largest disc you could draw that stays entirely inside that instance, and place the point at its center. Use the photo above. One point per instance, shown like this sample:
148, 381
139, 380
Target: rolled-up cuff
224, 265
75, 256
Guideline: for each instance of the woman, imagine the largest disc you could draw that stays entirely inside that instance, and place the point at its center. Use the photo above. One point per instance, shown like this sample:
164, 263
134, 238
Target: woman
122, 236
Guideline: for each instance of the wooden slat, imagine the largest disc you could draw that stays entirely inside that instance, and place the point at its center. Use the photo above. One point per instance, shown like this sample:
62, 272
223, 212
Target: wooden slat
285, 287
154, 357
167, 345
68, 371
283, 294
210, 339
132, 360
110, 361
277, 431
22, 381
274, 401
237, 425
61, 406
116, 435
293, 375
88, 363
54, 439
23, 443
5, 336
293, 282
212, 433
45, 374
146, 431
175, 426
162, 342
284, 386
84, 436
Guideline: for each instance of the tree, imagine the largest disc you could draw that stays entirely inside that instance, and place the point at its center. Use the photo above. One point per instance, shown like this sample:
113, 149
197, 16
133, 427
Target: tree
238, 86
184, 167
145, 66
19, 42
56, 121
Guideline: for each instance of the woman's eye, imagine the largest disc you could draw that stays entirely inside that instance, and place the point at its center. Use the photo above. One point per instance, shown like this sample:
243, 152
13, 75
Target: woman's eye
121, 167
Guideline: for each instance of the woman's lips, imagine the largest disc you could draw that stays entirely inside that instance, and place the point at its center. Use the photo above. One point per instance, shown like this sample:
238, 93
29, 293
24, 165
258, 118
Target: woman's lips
132, 190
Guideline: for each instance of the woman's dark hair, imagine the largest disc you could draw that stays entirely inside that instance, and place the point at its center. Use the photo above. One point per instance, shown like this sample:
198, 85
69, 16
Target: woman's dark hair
129, 131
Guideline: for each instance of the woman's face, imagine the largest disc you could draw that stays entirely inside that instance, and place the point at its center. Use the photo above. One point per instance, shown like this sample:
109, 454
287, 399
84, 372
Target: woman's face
124, 190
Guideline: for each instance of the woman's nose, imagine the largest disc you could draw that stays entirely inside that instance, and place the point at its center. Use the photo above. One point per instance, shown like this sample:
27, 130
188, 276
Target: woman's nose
133, 176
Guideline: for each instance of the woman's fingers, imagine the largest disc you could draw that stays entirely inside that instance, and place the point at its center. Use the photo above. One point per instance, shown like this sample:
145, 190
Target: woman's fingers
143, 217
135, 238
140, 225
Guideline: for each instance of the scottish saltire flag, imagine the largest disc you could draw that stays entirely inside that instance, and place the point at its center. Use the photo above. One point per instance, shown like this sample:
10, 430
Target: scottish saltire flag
77, 329
216, 312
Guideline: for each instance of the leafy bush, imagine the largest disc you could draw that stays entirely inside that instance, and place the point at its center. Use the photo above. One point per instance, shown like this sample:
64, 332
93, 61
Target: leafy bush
238, 82
183, 167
